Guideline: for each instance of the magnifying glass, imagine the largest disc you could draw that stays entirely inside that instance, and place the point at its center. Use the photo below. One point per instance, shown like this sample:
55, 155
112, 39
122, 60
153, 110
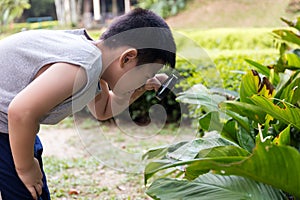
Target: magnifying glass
166, 87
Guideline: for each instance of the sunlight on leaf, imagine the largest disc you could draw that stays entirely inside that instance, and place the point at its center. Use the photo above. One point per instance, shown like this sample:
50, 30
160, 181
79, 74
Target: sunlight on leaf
212, 186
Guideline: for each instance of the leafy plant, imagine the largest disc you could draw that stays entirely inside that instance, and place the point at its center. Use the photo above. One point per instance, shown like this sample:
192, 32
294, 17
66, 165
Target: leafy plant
255, 136
164, 8
11, 9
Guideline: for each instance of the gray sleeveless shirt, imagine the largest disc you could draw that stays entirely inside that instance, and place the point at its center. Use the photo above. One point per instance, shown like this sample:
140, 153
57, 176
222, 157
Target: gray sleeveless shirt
23, 54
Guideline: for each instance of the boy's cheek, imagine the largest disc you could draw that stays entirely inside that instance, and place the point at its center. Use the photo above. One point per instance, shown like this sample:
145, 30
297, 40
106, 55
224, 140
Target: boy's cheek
128, 83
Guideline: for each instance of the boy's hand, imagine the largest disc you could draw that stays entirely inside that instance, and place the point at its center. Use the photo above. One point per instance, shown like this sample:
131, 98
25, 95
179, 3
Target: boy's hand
155, 82
32, 179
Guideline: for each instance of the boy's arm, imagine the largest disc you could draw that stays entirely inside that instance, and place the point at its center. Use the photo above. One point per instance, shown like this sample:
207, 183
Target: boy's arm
25, 111
106, 104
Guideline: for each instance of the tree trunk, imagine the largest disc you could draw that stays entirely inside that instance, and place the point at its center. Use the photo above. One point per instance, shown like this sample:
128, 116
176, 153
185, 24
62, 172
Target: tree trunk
67, 12
59, 12
73, 9
97, 10
114, 8
87, 15
127, 5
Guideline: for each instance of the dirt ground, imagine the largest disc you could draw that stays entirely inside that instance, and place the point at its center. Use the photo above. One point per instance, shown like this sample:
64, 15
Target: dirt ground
106, 182
56, 143
98, 181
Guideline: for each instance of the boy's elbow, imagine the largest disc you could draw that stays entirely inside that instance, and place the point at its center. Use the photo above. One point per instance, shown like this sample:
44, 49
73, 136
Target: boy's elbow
19, 115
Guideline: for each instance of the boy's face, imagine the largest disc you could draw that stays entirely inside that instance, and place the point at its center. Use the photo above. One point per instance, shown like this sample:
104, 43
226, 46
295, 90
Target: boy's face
135, 78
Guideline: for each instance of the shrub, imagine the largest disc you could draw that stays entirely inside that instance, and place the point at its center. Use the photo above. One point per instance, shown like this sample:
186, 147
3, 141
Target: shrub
231, 38
254, 150
164, 8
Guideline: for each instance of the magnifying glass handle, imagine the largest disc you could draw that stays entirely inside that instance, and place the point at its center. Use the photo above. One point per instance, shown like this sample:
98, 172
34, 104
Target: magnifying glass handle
166, 87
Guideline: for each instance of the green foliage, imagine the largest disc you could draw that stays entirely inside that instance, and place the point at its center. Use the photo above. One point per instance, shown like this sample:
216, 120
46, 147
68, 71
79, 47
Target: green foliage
229, 38
164, 8
41, 8
224, 69
262, 122
11, 9
212, 186
17, 27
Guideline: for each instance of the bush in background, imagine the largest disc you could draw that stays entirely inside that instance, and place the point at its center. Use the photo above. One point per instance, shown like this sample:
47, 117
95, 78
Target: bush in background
164, 8
228, 49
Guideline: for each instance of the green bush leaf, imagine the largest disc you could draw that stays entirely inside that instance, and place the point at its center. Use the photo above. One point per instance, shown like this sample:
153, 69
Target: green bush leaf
180, 153
252, 84
284, 137
278, 166
295, 23
212, 186
211, 122
287, 36
159, 152
291, 92
288, 114
245, 140
264, 70
293, 61
249, 86
251, 111
200, 95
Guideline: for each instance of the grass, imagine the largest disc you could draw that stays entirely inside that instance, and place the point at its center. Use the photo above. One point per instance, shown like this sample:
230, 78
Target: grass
92, 176
86, 178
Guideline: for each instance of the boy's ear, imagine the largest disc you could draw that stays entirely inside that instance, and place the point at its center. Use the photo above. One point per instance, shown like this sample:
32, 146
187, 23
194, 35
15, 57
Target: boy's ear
127, 56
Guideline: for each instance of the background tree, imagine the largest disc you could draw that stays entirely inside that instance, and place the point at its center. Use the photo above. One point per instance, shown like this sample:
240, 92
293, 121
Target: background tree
40, 8
11, 9
66, 11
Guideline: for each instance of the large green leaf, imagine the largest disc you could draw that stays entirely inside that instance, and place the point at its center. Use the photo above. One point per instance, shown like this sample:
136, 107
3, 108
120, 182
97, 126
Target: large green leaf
287, 36
284, 137
180, 153
200, 95
265, 71
212, 186
286, 86
229, 131
278, 166
252, 84
191, 149
243, 121
287, 114
158, 152
295, 23
293, 61
245, 139
211, 122
251, 111
291, 93
249, 86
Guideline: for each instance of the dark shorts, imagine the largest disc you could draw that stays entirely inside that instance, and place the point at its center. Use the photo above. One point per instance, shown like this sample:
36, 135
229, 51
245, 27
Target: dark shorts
11, 187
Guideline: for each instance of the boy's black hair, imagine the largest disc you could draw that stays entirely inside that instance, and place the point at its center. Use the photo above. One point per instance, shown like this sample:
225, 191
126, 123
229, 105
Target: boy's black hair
145, 31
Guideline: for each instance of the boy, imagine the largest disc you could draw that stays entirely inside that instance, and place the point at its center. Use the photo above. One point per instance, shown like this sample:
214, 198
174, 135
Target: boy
48, 75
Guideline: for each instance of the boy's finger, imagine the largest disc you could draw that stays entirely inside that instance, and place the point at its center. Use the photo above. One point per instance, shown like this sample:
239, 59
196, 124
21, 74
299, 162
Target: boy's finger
152, 85
161, 77
33, 192
38, 188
